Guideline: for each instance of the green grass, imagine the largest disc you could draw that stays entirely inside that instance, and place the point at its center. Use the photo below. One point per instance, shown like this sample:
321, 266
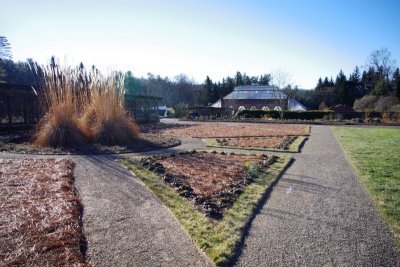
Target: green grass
375, 154
293, 148
217, 240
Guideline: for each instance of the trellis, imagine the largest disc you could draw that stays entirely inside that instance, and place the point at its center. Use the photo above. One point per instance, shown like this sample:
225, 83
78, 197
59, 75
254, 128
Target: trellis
18, 105
143, 108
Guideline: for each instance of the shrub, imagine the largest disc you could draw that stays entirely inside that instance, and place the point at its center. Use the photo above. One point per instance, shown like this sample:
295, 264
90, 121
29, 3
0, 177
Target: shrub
181, 110
395, 108
366, 103
385, 103
287, 115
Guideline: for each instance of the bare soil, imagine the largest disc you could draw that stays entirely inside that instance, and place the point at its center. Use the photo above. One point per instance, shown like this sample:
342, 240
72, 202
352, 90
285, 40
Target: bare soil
21, 142
40, 214
220, 130
212, 181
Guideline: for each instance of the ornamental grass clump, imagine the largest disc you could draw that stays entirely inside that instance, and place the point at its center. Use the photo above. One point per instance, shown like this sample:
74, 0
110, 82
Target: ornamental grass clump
82, 107
61, 101
105, 115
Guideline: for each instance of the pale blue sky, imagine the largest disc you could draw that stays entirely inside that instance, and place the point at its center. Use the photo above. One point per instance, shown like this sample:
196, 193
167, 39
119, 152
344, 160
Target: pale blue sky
306, 38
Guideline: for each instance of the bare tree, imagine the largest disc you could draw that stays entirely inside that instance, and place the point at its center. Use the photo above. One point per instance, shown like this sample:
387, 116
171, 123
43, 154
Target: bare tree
281, 79
381, 60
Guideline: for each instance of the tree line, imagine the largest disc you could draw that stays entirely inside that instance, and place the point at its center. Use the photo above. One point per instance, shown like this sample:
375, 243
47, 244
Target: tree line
380, 78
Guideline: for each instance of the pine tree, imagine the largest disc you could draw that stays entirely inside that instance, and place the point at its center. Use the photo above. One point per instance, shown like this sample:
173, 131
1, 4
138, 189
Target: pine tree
5, 48
320, 85
340, 88
239, 79
396, 82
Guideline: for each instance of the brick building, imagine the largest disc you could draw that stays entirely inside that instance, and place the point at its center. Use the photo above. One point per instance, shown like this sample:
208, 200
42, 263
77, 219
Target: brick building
259, 97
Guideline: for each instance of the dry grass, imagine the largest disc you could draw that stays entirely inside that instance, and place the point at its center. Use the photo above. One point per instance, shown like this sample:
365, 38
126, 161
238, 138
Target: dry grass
81, 107
105, 115
60, 128
39, 215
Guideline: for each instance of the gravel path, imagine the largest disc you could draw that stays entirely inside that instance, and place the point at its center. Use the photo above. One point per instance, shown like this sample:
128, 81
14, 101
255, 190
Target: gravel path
319, 215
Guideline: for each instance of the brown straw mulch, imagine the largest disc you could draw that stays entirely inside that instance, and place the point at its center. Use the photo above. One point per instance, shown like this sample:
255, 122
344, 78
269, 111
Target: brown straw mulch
39, 214
221, 130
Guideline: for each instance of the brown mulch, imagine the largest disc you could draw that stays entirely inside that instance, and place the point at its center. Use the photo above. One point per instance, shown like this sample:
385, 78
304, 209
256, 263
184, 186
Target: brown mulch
254, 142
212, 181
208, 173
21, 142
220, 130
39, 214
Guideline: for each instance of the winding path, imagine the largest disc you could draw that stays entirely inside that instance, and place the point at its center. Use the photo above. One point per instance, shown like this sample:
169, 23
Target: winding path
317, 215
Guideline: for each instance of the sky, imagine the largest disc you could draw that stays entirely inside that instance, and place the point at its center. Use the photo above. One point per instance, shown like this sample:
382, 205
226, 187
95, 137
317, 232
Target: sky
306, 39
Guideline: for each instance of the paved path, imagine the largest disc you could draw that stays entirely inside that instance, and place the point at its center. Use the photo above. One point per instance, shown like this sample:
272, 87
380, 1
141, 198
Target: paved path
319, 215
124, 222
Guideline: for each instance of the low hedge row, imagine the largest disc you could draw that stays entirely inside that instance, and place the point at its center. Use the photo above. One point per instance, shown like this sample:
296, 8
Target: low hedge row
319, 115
287, 115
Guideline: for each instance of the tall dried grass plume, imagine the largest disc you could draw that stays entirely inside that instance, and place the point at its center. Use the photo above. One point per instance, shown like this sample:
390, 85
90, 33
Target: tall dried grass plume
81, 107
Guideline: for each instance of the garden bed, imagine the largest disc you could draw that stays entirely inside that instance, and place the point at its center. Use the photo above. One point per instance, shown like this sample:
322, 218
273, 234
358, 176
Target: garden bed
21, 142
272, 143
234, 183
212, 181
223, 130
40, 214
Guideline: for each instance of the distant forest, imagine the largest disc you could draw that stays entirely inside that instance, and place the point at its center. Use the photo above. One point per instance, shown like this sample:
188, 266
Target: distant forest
377, 87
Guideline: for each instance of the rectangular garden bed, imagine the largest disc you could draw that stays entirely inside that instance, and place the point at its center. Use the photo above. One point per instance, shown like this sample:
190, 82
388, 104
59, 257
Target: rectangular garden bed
223, 130
40, 214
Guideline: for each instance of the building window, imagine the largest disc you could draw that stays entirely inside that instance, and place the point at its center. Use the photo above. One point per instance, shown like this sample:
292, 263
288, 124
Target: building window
253, 108
241, 108
277, 108
265, 108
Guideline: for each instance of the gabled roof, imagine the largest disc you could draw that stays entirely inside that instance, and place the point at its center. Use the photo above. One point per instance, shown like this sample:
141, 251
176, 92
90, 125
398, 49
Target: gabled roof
216, 104
296, 105
256, 92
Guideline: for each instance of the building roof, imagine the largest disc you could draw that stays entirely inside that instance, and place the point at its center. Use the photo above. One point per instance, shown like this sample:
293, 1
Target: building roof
256, 92
216, 104
296, 105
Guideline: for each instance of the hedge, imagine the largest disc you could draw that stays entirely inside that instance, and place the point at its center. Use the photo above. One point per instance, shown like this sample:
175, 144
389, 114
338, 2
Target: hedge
287, 115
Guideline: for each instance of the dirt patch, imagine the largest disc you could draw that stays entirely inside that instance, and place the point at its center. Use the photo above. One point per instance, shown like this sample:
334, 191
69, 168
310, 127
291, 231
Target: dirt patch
40, 214
220, 130
21, 142
212, 181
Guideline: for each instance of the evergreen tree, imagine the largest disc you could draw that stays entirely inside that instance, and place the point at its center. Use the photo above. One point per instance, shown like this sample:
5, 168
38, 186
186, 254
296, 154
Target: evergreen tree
326, 83
320, 84
396, 82
239, 79
5, 48
265, 79
340, 88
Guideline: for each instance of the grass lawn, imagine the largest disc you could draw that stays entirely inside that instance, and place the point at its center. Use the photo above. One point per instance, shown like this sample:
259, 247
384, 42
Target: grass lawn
218, 239
375, 154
